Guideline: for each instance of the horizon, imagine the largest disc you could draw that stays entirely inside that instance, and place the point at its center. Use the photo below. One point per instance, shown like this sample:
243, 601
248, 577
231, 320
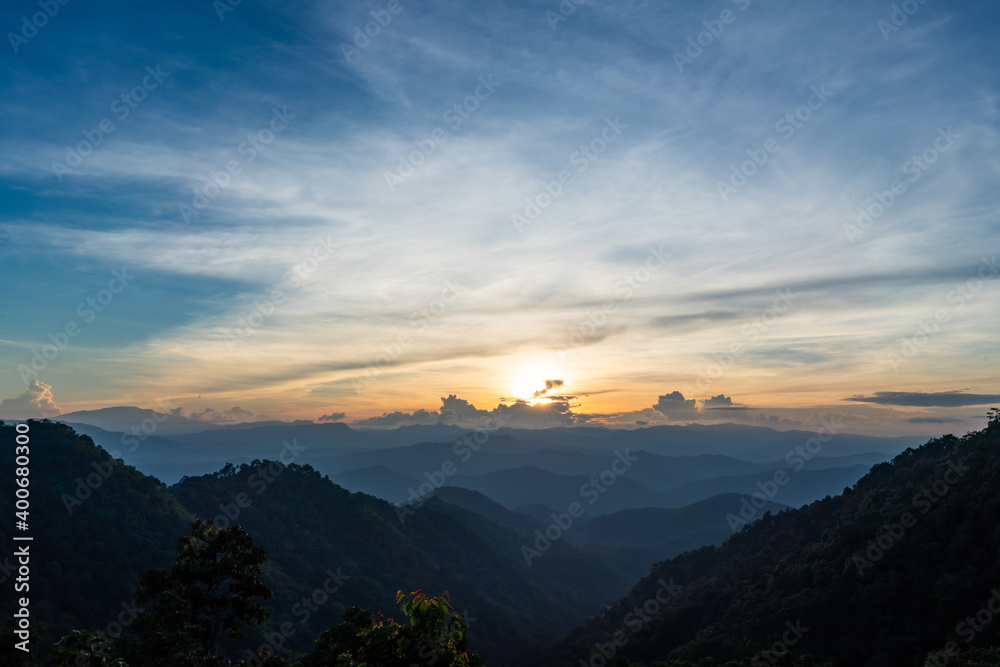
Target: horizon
612, 216
177, 417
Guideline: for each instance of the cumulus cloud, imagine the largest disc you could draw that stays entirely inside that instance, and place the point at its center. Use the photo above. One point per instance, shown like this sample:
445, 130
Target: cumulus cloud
455, 410
675, 407
36, 401
458, 411
398, 418
333, 417
558, 410
521, 414
720, 402
941, 399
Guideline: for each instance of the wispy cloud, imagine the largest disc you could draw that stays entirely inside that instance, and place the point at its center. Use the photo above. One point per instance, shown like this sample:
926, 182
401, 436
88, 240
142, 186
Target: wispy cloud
357, 118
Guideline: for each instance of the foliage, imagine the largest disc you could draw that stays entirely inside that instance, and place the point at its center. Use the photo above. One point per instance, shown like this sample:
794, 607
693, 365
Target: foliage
210, 590
978, 657
85, 647
99, 523
872, 591
436, 635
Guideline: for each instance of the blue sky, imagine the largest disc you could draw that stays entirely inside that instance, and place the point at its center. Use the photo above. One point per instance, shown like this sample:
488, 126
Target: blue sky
392, 249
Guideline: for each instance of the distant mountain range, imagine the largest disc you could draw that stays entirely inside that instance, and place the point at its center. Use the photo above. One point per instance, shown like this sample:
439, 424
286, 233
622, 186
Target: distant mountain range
869, 585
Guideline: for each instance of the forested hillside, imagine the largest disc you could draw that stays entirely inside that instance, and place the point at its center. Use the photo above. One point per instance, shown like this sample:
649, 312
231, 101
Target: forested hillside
902, 569
903, 566
98, 525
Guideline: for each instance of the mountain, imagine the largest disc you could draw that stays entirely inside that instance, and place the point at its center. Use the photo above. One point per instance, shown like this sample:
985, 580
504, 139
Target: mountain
99, 524
378, 481
799, 488
529, 485
501, 452
123, 419
308, 525
96, 523
753, 443
155, 455
637, 538
477, 503
901, 569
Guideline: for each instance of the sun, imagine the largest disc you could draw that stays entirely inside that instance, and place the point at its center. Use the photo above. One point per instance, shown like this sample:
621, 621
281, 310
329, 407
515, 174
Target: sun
530, 379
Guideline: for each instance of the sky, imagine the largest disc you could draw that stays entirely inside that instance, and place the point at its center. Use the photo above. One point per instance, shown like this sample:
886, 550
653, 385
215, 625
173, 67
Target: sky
604, 213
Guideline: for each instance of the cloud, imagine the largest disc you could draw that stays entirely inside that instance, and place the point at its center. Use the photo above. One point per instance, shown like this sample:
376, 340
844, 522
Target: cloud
720, 402
238, 414
549, 386
934, 420
675, 406
398, 418
333, 417
455, 410
234, 414
771, 421
941, 399
206, 415
36, 401
460, 412
521, 414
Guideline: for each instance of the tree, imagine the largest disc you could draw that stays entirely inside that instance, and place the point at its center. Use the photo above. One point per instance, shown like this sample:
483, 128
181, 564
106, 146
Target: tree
211, 589
436, 636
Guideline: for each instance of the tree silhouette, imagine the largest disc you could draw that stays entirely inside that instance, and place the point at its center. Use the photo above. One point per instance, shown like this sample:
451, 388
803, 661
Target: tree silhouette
211, 589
